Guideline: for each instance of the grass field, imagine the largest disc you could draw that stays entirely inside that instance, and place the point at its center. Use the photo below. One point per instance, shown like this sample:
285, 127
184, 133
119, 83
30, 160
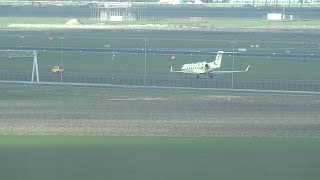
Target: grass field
47, 157
138, 134
78, 133
264, 67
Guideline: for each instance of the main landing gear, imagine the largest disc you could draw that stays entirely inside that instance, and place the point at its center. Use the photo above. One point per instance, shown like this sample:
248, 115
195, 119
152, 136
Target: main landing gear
197, 76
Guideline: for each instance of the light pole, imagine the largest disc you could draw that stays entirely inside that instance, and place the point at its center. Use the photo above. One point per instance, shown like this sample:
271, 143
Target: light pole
145, 61
22, 38
233, 43
283, 12
61, 57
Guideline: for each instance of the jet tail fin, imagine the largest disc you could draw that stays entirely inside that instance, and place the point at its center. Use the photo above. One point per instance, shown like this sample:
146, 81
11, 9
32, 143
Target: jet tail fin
217, 61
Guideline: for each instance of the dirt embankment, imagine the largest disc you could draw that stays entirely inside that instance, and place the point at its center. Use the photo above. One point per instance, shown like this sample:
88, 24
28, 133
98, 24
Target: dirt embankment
158, 117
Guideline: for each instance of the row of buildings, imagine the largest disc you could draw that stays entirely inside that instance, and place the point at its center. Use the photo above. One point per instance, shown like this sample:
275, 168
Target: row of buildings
157, 2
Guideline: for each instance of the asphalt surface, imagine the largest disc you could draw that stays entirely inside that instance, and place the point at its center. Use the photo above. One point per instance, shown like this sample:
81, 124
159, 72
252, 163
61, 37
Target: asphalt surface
164, 51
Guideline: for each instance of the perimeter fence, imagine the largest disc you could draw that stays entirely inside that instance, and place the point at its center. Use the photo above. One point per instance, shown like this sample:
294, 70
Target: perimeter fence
285, 85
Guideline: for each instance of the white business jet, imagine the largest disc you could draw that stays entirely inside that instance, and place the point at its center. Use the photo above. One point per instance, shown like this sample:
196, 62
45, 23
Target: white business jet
205, 67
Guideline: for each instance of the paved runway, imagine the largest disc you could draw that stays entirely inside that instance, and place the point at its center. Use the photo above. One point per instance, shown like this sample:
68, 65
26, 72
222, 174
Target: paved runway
163, 51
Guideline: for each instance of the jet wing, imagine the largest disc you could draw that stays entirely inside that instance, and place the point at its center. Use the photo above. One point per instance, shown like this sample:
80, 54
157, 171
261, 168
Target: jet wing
173, 70
222, 72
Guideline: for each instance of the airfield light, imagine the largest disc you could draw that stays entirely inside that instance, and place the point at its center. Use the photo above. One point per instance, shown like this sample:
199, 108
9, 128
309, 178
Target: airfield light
145, 60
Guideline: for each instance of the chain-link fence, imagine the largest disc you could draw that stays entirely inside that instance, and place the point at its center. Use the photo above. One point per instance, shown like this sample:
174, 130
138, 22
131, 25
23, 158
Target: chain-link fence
286, 85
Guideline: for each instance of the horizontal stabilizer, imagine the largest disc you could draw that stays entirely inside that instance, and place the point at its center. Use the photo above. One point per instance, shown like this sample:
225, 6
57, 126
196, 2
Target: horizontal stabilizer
247, 68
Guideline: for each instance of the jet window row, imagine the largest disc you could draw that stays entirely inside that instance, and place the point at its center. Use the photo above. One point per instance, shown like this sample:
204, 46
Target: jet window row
194, 67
